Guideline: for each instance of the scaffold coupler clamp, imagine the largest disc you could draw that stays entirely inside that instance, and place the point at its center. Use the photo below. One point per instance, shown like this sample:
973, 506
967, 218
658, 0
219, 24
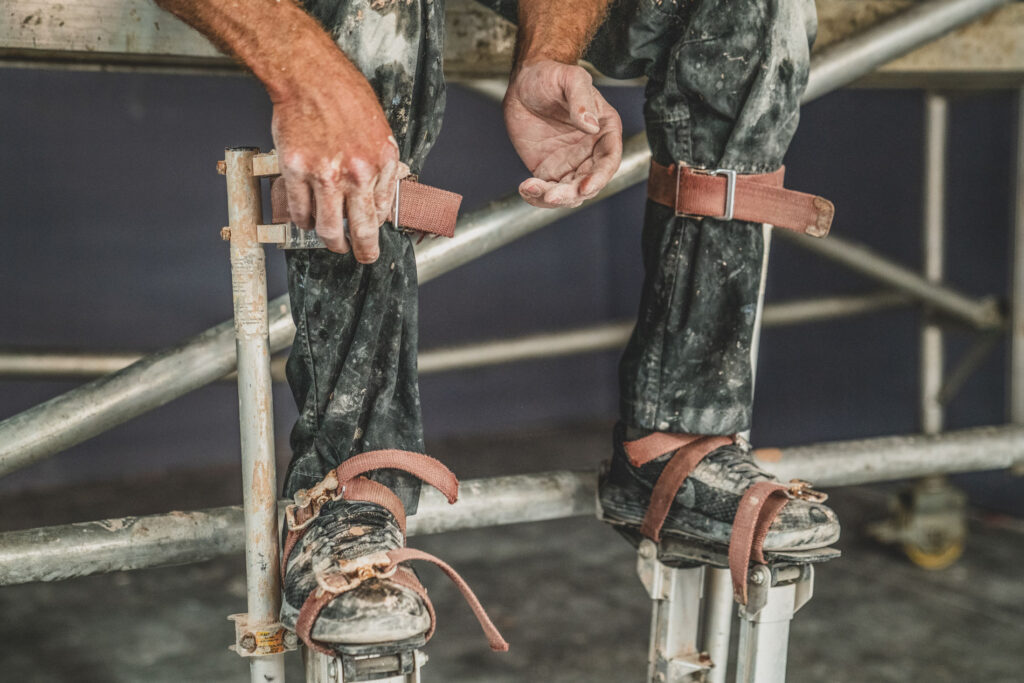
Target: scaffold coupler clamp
259, 640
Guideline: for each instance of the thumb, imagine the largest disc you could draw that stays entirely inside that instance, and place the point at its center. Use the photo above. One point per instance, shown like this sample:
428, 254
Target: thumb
580, 96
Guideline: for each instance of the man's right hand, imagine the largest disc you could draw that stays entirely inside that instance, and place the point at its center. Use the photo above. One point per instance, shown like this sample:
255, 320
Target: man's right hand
335, 148
338, 158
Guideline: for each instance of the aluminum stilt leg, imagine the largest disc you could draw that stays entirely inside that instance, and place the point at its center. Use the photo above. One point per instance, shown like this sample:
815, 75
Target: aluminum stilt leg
774, 596
399, 668
675, 620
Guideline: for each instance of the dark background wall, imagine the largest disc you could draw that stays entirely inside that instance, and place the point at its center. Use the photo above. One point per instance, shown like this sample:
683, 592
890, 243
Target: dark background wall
111, 208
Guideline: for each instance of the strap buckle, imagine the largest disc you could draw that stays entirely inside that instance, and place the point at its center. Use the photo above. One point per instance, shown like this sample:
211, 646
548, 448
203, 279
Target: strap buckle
348, 574
804, 491
309, 501
730, 190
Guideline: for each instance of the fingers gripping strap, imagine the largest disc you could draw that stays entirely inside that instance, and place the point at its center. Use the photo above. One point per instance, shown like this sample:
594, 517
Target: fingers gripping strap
758, 508
494, 638
671, 480
420, 207
642, 451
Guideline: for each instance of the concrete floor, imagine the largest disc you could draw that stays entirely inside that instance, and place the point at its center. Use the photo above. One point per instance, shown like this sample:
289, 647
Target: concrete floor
564, 594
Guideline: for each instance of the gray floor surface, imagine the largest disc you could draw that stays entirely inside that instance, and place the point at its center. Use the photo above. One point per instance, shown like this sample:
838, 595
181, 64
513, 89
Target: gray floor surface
564, 593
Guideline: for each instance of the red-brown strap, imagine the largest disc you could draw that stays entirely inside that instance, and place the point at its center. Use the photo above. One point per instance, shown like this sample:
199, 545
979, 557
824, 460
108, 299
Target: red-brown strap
758, 508
759, 198
420, 207
494, 638
308, 615
643, 450
405, 577
682, 464
430, 470
353, 486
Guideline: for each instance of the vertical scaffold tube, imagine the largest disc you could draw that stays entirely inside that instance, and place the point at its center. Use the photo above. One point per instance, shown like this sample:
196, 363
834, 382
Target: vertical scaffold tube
255, 405
932, 246
1017, 295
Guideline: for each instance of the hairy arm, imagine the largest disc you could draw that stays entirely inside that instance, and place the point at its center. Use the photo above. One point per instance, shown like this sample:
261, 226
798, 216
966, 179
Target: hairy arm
565, 132
320, 101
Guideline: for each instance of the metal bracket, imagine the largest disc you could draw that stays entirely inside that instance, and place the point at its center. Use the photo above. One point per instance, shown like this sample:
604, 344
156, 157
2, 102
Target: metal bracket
262, 640
401, 667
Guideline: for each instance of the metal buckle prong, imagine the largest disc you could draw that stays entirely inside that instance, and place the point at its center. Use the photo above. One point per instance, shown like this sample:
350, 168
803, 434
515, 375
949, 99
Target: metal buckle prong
397, 194
730, 190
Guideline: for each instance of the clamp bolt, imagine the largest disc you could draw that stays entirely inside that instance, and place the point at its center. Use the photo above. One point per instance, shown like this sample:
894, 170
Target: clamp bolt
290, 640
222, 167
758, 577
248, 642
225, 233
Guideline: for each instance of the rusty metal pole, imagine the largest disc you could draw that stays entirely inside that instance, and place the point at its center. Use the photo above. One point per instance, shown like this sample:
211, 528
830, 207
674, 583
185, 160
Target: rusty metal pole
255, 408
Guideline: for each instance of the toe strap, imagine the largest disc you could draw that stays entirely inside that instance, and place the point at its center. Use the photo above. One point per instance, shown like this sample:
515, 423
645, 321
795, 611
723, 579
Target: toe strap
758, 508
403, 576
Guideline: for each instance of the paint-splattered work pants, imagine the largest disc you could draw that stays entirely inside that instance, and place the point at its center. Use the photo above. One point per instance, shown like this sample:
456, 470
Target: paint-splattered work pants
724, 85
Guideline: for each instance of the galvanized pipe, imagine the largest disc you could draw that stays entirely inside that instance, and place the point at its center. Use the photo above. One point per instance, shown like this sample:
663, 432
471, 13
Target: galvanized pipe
982, 314
936, 125
91, 409
845, 463
859, 55
67, 551
255, 406
1017, 295
30, 364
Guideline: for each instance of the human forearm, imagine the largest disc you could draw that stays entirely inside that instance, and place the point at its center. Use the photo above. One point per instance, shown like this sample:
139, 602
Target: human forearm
559, 31
281, 44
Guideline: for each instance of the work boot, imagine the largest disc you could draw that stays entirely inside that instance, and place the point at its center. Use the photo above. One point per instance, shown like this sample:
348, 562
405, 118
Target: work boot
348, 588
705, 505
378, 610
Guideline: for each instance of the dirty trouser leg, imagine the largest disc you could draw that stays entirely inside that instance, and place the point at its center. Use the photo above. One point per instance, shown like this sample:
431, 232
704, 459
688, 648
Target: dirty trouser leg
725, 80
352, 367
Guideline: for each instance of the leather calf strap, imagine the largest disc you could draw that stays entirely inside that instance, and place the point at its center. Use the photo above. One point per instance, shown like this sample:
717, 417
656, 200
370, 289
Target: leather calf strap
421, 208
758, 198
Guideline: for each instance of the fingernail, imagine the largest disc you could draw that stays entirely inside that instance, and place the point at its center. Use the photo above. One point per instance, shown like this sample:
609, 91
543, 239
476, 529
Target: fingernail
591, 119
532, 190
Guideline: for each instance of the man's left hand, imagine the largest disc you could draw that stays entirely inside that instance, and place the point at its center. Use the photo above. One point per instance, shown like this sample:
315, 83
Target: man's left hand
564, 131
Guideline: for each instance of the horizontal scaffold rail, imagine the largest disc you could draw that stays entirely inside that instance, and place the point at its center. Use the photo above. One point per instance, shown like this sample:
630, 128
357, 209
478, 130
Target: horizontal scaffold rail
136, 34
164, 376
46, 364
71, 550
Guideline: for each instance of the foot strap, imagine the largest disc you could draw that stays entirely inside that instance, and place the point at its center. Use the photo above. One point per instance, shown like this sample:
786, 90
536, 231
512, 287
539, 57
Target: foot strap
387, 566
727, 195
690, 450
758, 507
346, 481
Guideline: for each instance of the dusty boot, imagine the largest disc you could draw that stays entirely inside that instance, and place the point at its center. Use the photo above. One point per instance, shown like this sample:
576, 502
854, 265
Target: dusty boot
376, 611
347, 589
704, 506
